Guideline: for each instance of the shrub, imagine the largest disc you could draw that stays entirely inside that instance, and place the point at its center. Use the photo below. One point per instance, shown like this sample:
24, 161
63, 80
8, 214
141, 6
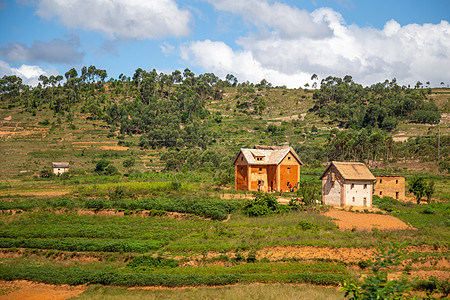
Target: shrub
94, 204
377, 285
145, 262
428, 211
263, 204
318, 278
305, 225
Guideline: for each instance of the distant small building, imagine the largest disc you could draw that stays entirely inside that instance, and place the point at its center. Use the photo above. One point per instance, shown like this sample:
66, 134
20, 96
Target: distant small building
390, 186
60, 167
347, 184
266, 168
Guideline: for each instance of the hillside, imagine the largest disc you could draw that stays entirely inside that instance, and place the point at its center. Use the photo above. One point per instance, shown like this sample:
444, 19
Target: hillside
82, 124
149, 199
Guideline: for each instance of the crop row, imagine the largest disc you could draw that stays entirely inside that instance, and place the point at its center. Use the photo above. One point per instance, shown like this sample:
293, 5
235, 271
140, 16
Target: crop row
71, 244
216, 209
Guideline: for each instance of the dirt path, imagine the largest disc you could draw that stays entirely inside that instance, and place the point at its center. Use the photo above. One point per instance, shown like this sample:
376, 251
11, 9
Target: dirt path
349, 220
48, 192
22, 289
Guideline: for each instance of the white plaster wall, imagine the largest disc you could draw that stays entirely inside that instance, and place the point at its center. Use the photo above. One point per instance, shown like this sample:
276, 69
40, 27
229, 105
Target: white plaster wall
358, 193
332, 193
59, 171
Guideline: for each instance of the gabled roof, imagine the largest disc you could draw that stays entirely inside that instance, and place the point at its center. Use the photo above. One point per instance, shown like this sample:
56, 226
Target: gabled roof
272, 156
60, 164
351, 171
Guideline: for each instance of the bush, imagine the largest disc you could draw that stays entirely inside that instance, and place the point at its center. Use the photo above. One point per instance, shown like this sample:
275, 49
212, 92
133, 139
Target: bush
428, 211
105, 167
145, 262
318, 278
377, 285
305, 225
263, 204
78, 276
96, 204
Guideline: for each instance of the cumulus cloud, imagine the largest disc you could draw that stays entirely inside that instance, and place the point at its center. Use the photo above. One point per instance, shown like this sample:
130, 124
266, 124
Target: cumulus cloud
219, 58
287, 21
54, 51
28, 73
409, 53
135, 19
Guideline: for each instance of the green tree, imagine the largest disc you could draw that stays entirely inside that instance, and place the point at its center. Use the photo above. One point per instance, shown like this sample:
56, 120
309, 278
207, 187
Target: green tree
417, 186
129, 162
429, 190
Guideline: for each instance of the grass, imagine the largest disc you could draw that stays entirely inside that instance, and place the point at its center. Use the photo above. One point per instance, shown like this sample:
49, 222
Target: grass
241, 291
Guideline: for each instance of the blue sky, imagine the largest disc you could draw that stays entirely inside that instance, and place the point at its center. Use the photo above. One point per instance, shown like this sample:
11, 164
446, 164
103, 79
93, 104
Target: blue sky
284, 42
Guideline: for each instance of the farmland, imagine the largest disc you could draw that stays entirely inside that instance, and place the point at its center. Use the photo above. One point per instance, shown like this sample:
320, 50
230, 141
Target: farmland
172, 219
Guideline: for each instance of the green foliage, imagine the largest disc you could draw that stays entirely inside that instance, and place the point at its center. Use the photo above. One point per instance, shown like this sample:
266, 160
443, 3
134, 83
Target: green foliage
377, 285
105, 167
78, 276
308, 191
129, 162
386, 203
95, 203
263, 204
305, 225
46, 173
78, 244
378, 106
417, 186
318, 278
146, 262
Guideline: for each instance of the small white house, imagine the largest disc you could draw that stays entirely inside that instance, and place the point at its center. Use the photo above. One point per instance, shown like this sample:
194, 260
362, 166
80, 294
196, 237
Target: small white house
60, 167
347, 184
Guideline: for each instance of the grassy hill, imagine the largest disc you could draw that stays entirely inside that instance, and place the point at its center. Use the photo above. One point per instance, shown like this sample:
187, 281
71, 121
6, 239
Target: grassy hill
173, 218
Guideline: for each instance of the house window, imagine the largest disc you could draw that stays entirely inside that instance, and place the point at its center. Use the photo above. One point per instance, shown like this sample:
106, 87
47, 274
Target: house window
289, 170
365, 186
396, 181
381, 193
242, 158
381, 180
260, 169
289, 158
396, 195
259, 158
352, 186
353, 199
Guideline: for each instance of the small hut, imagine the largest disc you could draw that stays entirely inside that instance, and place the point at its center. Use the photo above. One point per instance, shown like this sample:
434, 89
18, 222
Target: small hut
60, 167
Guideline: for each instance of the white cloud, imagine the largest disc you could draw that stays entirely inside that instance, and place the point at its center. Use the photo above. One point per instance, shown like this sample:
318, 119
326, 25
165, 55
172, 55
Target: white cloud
135, 19
219, 58
287, 21
409, 53
28, 73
